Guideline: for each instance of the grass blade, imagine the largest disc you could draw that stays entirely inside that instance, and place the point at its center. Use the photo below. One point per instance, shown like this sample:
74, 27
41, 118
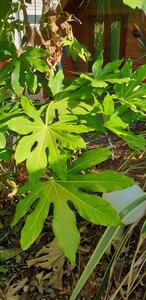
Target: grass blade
113, 260
99, 251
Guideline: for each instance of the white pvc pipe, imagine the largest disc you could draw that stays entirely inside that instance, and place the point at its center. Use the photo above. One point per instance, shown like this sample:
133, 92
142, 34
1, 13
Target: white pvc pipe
119, 199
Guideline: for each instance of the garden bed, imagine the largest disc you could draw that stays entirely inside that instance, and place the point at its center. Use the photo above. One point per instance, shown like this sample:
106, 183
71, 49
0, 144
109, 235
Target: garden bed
49, 275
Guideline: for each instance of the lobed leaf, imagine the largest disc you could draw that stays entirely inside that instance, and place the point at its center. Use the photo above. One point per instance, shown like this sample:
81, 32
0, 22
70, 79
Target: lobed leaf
38, 64
103, 73
78, 189
91, 207
133, 89
39, 136
116, 125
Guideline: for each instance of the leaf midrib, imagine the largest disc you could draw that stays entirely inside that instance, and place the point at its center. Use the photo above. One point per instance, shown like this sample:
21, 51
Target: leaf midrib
61, 208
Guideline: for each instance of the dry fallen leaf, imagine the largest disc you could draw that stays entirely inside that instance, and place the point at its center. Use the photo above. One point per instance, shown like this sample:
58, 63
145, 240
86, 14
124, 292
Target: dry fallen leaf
10, 292
39, 283
52, 258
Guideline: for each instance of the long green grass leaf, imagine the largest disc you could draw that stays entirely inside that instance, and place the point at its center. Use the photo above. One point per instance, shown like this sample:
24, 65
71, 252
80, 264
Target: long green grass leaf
95, 258
113, 261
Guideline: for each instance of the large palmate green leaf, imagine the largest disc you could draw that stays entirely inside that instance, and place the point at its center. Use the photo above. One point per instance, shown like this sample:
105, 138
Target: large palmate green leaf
133, 92
116, 125
101, 75
113, 122
126, 90
39, 136
77, 49
81, 191
110, 72
101, 72
22, 67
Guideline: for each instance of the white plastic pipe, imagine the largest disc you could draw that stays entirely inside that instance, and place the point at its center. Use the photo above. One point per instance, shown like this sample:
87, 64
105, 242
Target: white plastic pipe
119, 199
